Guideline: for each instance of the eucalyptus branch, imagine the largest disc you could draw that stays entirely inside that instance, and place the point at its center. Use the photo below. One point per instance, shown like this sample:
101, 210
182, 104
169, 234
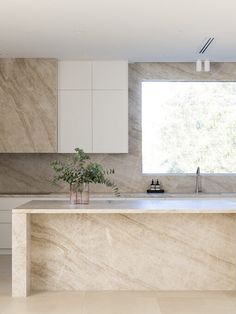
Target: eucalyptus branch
80, 169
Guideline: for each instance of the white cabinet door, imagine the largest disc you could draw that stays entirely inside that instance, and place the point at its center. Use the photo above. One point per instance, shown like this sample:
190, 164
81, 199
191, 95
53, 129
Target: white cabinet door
110, 75
6, 206
81, 115
5, 236
8, 203
75, 75
5, 216
74, 121
110, 121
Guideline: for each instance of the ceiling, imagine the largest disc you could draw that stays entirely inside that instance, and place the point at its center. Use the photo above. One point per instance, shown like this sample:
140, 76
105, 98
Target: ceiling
147, 30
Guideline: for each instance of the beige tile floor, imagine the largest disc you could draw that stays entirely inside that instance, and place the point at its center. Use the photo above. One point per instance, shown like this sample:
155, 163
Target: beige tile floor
110, 302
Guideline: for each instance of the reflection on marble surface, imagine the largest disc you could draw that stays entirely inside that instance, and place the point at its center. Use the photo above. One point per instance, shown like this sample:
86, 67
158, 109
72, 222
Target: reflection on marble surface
133, 252
30, 173
132, 205
28, 105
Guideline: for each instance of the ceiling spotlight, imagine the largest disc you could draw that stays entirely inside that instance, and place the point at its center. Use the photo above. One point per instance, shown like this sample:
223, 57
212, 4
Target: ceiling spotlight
207, 66
199, 65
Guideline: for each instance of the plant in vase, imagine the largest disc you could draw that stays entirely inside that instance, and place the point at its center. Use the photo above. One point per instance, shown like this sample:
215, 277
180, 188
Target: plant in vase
78, 172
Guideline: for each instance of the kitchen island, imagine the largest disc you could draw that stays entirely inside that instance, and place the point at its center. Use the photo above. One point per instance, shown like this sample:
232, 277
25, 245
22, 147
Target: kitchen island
124, 244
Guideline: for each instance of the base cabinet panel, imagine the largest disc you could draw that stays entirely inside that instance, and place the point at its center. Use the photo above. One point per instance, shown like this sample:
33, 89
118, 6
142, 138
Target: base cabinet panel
5, 216
5, 235
6, 206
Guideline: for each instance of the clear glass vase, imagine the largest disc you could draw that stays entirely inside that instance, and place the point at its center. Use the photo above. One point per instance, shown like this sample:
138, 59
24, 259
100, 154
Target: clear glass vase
79, 193
73, 193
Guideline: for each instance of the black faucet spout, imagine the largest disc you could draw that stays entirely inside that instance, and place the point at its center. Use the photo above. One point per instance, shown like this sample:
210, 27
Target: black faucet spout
198, 181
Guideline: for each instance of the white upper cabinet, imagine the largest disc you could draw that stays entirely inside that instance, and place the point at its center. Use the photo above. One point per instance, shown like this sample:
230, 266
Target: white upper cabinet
110, 122
93, 106
75, 75
108, 75
74, 121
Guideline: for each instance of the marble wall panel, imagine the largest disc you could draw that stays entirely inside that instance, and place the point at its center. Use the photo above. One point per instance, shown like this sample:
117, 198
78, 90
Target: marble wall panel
29, 173
28, 105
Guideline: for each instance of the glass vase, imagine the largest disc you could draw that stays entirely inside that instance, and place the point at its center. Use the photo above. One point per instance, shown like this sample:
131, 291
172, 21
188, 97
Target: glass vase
73, 193
79, 193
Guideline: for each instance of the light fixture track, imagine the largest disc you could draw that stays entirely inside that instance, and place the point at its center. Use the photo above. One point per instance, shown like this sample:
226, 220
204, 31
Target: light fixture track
206, 45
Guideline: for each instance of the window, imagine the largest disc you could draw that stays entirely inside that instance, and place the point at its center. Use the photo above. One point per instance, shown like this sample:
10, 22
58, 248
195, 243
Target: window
189, 124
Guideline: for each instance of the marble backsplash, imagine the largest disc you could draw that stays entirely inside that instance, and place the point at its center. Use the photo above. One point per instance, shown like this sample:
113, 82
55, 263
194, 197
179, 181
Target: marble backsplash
31, 173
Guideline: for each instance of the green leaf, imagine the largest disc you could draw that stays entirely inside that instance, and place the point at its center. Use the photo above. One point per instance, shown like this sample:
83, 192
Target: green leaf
79, 169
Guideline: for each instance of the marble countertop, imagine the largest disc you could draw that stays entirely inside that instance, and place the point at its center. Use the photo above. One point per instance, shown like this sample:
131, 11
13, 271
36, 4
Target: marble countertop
125, 206
95, 196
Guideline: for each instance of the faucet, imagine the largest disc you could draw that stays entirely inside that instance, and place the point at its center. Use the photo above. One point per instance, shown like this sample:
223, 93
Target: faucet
198, 187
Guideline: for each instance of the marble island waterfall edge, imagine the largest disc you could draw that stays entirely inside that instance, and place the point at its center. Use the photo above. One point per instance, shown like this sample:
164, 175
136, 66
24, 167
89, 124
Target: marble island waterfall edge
123, 251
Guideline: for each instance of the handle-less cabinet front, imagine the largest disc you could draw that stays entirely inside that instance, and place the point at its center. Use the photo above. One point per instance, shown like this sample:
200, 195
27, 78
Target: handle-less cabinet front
5, 236
93, 106
75, 75
110, 75
74, 121
110, 122
6, 206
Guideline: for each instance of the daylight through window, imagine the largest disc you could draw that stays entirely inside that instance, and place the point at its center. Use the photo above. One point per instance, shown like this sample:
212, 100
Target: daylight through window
189, 124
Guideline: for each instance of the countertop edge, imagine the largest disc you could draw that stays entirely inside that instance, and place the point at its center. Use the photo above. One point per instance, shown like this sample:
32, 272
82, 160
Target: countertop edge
121, 211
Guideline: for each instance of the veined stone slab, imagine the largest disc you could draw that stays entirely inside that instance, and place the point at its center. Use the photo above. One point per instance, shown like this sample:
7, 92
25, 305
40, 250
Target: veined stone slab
28, 105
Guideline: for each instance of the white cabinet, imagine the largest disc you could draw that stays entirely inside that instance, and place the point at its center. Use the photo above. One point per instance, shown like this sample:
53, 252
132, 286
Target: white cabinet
5, 236
93, 106
74, 75
5, 216
74, 121
110, 75
110, 122
6, 206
